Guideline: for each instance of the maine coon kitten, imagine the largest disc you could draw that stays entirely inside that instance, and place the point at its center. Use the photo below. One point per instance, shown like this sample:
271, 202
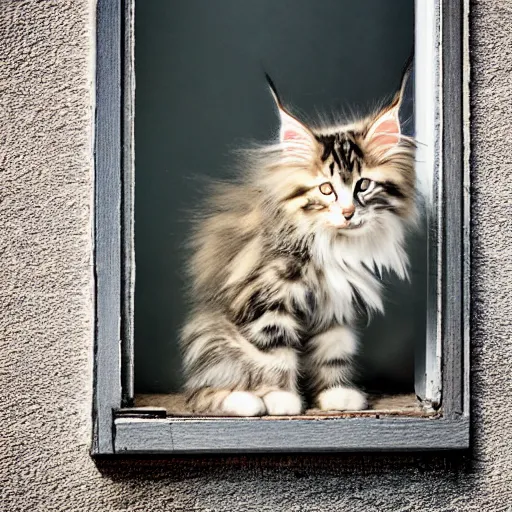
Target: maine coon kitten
284, 258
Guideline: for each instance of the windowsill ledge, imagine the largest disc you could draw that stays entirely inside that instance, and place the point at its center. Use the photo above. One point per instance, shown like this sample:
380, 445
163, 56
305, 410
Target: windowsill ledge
406, 405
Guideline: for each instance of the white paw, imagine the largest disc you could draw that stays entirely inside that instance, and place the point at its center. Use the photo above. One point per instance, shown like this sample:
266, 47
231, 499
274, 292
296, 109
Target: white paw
341, 399
243, 403
282, 403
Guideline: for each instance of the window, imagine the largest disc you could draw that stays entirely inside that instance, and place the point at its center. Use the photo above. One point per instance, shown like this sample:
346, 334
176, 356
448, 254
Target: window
438, 419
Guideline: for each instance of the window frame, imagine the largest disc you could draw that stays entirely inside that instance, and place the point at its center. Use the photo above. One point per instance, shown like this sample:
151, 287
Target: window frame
119, 428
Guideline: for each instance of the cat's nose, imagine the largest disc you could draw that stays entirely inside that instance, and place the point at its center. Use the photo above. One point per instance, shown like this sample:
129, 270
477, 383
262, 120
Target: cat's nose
348, 211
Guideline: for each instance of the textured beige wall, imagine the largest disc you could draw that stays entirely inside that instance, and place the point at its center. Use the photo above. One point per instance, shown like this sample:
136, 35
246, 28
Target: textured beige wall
46, 50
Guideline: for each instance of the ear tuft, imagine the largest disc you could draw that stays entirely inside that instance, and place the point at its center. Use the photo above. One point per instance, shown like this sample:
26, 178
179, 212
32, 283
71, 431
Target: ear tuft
292, 131
384, 131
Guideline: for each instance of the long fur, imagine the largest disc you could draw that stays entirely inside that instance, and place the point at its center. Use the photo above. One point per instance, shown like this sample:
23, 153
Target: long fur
278, 275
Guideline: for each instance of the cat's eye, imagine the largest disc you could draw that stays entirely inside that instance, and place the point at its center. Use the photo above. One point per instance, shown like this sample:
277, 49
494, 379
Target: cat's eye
364, 184
326, 189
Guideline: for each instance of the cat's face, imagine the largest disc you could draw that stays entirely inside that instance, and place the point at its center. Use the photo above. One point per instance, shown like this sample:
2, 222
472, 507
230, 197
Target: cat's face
348, 188
348, 179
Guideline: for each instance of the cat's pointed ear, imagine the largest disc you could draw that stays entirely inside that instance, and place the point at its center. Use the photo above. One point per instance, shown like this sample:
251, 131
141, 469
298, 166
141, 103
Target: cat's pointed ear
292, 131
384, 130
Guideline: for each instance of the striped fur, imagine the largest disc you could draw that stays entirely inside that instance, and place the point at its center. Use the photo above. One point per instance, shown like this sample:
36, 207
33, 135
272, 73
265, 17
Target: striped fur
285, 258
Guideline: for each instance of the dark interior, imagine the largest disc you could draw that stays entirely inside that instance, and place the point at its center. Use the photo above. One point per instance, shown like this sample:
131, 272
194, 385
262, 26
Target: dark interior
201, 93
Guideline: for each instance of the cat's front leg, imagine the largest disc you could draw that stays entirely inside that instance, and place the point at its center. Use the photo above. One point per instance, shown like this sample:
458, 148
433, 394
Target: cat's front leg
274, 336
328, 362
241, 374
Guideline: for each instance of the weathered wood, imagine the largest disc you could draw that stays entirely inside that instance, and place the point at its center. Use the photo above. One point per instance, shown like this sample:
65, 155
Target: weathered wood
107, 249
379, 406
141, 412
454, 307
128, 215
466, 214
174, 436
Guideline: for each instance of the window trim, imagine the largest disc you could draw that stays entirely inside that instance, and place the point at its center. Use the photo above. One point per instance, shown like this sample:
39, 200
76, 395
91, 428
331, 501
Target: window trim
429, 168
128, 431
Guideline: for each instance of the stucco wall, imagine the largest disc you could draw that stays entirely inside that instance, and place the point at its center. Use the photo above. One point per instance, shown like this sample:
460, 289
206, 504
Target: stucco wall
46, 52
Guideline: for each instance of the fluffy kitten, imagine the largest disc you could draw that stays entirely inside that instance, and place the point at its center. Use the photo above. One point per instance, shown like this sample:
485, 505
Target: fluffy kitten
283, 260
